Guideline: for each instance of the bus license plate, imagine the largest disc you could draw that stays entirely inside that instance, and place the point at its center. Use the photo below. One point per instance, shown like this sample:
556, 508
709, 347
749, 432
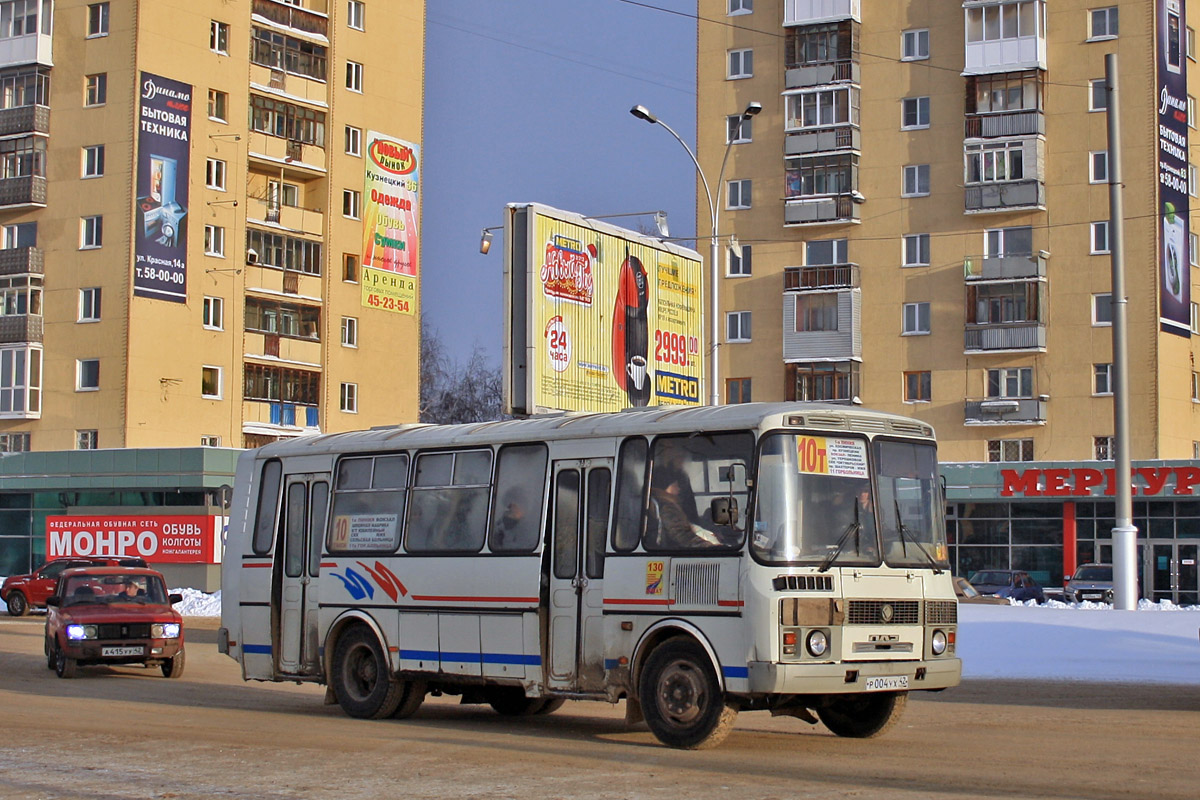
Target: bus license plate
886, 683
121, 651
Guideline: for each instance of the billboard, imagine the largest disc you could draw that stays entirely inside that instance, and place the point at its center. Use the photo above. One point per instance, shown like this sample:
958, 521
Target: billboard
599, 318
1174, 279
163, 145
391, 203
159, 539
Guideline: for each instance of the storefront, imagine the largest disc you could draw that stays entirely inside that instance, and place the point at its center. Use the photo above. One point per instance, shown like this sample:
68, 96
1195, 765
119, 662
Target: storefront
1048, 517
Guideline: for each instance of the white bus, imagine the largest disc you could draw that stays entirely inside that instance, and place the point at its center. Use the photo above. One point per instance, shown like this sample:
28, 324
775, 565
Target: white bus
694, 562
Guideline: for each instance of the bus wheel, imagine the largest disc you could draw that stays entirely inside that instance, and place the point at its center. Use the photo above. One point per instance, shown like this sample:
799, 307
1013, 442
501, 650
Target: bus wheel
862, 716
410, 700
510, 701
681, 699
362, 682
552, 705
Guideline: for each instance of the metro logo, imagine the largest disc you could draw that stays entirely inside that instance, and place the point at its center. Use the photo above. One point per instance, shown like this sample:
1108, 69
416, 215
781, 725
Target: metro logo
394, 158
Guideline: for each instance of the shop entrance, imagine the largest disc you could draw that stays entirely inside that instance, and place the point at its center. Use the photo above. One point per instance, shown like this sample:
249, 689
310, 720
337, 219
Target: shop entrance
1169, 571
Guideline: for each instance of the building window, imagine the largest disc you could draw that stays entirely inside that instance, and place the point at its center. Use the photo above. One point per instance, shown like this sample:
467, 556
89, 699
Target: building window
91, 232
1097, 95
826, 252
826, 381
737, 390
210, 382
816, 312
20, 18
1099, 238
280, 52
353, 141
915, 113
286, 385
1193, 181
821, 176
287, 120
285, 252
1010, 382
740, 7
213, 313
1098, 166
916, 180
918, 387
1001, 450
821, 108
210, 441
741, 64
984, 22
916, 318
737, 326
1195, 318
356, 14
351, 203
87, 440
354, 76
20, 382
218, 37
1102, 309
22, 234
349, 332
1196, 387
218, 105
95, 89
349, 268
1102, 379
349, 398
916, 250
995, 162
737, 194
97, 20
214, 174
89, 304
93, 161
14, 442
914, 45
1103, 23
738, 129
283, 319
1191, 43
214, 241
739, 265
87, 374
1193, 249
1008, 242
1103, 446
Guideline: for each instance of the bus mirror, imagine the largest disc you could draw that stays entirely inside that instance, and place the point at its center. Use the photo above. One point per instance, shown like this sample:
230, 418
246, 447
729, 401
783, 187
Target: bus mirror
724, 510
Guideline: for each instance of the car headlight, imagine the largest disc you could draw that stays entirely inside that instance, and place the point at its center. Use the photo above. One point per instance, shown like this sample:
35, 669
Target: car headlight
817, 643
937, 643
77, 632
164, 630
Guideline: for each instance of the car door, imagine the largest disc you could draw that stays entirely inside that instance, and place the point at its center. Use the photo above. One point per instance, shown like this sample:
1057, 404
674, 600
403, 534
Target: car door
44, 581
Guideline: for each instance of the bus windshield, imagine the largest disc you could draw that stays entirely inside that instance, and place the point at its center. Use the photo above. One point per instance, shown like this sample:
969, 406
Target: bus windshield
909, 500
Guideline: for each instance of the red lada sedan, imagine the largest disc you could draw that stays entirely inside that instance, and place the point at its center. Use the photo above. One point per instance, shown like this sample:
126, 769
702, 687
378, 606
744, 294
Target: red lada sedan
113, 615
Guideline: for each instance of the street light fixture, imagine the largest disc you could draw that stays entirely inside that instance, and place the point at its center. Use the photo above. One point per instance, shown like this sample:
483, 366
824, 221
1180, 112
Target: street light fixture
643, 113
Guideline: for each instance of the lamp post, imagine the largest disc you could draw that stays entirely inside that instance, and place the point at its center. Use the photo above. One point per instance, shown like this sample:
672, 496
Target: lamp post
643, 113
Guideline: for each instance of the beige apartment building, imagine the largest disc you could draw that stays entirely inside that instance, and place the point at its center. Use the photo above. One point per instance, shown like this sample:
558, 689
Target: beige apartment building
185, 213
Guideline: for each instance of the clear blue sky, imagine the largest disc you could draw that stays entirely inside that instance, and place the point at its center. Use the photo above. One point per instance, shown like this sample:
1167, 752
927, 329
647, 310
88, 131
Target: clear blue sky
529, 102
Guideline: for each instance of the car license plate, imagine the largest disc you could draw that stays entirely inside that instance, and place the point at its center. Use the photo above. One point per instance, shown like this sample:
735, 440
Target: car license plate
121, 651
1090, 595
886, 683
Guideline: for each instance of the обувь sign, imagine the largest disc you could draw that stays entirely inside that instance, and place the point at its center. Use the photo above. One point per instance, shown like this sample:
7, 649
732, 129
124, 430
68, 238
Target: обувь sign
180, 539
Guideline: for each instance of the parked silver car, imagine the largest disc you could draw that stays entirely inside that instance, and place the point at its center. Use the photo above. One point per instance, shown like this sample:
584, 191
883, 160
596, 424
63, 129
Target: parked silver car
1091, 582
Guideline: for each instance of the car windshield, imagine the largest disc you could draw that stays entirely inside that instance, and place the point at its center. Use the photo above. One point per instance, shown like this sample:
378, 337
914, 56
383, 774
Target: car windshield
990, 577
1094, 574
107, 589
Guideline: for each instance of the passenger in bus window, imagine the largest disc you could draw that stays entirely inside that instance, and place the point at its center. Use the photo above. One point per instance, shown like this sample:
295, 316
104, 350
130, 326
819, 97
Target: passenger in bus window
679, 523
510, 528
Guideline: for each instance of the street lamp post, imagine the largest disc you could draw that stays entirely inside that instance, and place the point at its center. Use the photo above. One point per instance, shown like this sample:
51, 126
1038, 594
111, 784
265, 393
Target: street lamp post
643, 113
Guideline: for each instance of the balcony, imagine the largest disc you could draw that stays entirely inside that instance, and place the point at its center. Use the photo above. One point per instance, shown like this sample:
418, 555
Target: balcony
32, 48
822, 326
823, 140
1004, 336
1004, 37
273, 418
1005, 411
1011, 123
29, 190
23, 261
297, 87
831, 276
809, 12
990, 268
836, 210
984, 198
276, 150
24, 119
797, 77
21, 328
278, 282
291, 218
293, 349
290, 16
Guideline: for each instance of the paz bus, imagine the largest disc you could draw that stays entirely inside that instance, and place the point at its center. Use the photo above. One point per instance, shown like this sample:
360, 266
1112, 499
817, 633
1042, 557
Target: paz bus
693, 562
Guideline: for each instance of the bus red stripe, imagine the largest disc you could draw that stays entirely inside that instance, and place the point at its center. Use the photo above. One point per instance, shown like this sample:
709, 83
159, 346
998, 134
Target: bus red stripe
451, 599
638, 601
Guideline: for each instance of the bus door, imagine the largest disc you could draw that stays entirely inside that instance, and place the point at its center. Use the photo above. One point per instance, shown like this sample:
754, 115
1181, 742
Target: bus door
580, 502
301, 536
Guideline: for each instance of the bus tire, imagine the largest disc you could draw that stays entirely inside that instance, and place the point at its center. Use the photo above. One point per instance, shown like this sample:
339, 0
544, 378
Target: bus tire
510, 701
362, 681
410, 699
551, 705
681, 699
863, 716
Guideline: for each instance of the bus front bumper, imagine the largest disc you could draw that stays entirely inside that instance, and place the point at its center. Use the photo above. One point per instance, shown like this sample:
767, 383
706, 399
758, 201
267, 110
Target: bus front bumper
767, 677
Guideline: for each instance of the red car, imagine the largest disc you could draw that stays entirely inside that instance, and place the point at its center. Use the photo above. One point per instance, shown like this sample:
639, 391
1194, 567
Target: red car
113, 615
23, 592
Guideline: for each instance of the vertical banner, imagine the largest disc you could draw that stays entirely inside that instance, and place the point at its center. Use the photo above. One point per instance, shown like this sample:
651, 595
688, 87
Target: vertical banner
390, 257
1174, 273
160, 232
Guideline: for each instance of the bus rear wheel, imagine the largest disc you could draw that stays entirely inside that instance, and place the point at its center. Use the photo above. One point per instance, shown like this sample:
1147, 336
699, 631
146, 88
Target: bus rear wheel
362, 681
510, 701
863, 716
681, 699
411, 698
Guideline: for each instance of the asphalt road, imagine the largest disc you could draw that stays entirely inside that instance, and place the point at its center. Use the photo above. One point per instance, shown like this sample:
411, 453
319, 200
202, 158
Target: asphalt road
126, 732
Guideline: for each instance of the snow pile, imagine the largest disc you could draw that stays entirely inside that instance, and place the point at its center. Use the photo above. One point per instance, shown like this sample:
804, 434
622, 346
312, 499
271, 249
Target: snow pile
196, 603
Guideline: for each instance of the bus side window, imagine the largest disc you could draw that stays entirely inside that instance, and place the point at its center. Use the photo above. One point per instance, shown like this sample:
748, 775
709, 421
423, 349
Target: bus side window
268, 499
368, 505
631, 493
599, 487
449, 504
517, 508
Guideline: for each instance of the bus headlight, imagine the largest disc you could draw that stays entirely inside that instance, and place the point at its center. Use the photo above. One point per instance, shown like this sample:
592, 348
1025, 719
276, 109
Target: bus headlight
937, 643
817, 643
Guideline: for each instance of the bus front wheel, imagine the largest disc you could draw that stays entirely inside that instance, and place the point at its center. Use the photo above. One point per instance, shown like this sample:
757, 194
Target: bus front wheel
362, 681
863, 716
681, 699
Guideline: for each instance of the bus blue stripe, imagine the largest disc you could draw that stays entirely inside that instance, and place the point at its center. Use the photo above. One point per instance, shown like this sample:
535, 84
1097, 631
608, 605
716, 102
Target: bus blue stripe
735, 672
485, 658
257, 649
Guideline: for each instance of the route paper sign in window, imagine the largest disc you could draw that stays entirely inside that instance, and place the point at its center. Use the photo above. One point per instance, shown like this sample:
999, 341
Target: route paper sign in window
824, 455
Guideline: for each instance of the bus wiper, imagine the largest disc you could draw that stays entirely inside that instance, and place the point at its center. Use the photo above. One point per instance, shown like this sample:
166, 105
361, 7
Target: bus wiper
906, 537
854, 527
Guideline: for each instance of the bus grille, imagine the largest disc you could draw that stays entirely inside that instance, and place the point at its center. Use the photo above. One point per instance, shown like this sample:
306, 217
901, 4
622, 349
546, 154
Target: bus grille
803, 583
884, 612
118, 630
941, 612
696, 584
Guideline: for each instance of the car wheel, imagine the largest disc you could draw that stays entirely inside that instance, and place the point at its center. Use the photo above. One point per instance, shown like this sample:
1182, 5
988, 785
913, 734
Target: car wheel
51, 656
362, 681
18, 606
64, 665
174, 667
681, 699
863, 716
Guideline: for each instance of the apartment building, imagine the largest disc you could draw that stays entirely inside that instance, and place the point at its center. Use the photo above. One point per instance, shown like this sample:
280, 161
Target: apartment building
923, 209
209, 212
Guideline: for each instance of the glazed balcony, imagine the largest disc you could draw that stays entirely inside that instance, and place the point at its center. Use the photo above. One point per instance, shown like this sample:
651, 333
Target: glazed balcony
822, 326
286, 15
1005, 411
810, 12
23, 261
291, 218
1004, 37
274, 418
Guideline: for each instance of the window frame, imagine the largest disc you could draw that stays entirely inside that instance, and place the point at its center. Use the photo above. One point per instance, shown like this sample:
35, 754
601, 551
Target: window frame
355, 76
1095, 158
81, 374
1102, 372
356, 10
1112, 23
742, 125
215, 174
95, 90
351, 204
91, 232
736, 8
923, 246
87, 439
218, 37
93, 161
739, 266
744, 390
219, 373
214, 240
218, 105
745, 194
350, 332
1096, 321
212, 313
918, 386
1096, 230
348, 397
90, 304
1097, 85
98, 20
1022, 444
913, 315
915, 36
922, 110
352, 139
815, 307
916, 171
738, 327
745, 66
